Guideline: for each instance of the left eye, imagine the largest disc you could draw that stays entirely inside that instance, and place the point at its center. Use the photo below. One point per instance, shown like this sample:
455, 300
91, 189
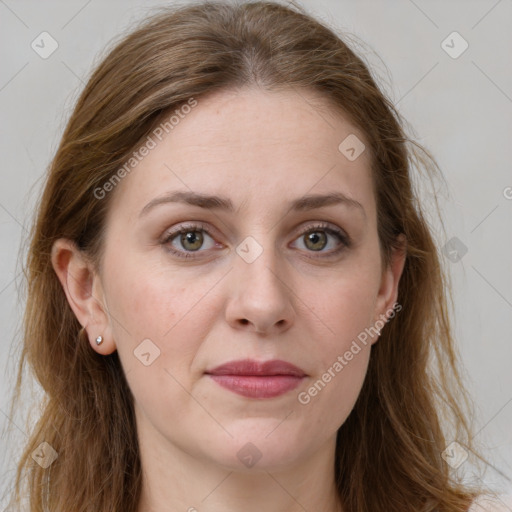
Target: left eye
317, 238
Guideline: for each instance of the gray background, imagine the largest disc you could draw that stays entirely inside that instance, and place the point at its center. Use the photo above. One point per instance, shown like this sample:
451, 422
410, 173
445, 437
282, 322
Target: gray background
459, 108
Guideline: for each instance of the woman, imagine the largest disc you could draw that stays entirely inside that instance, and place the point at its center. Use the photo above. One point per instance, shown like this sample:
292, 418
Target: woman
234, 300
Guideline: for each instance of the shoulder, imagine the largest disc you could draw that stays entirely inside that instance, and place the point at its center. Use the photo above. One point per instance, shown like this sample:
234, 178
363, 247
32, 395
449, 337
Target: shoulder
502, 503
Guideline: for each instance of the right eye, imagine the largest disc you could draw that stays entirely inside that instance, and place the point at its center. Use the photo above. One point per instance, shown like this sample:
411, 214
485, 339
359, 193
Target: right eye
190, 237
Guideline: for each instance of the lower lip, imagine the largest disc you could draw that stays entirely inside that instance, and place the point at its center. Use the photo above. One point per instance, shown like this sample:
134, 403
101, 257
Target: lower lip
253, 386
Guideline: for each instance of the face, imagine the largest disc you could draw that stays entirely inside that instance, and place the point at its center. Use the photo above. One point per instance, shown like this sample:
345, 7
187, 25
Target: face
265, 273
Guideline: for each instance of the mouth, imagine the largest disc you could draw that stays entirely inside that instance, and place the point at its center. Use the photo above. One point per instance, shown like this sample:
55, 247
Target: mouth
254, 379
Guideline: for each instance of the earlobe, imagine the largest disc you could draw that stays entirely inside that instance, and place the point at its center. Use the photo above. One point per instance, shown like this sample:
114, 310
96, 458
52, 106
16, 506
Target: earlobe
78, 278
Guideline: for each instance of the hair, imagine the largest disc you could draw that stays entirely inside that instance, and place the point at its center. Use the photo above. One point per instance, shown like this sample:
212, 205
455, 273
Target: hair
389, 449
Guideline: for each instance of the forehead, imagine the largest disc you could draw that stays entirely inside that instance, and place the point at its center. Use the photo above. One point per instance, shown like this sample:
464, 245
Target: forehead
256, 144
252, 120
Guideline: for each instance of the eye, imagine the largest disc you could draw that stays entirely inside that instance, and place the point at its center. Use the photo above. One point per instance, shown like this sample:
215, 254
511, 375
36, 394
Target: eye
186, 240
316, 238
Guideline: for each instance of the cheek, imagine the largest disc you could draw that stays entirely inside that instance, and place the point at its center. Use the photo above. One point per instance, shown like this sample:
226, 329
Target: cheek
345, 304
155, 313
344, 309
157, 334
330, 396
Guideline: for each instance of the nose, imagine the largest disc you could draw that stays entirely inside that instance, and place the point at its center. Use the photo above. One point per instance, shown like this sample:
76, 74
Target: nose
261, 298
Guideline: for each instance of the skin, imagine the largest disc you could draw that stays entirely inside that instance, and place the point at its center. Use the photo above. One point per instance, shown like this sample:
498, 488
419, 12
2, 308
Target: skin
261, 150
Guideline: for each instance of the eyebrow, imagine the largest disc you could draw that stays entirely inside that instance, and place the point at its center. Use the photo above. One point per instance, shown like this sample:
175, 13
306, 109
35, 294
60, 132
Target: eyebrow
213, 202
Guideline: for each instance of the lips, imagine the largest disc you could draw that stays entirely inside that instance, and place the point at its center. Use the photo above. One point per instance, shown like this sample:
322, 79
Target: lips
254, 379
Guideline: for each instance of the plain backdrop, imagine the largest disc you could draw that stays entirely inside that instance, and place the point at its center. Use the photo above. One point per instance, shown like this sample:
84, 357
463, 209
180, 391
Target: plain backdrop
457, 99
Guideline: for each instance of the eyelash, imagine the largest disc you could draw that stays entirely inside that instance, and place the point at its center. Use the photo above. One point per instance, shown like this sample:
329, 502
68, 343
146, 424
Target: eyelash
342, 237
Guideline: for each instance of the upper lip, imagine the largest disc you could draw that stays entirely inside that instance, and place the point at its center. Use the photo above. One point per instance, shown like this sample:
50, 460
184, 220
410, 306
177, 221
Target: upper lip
252, 367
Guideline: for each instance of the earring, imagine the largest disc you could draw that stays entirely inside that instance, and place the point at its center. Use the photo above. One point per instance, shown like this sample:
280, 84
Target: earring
99, 340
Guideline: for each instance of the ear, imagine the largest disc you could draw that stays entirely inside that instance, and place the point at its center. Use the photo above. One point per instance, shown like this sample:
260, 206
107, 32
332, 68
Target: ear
388, 291
82, 286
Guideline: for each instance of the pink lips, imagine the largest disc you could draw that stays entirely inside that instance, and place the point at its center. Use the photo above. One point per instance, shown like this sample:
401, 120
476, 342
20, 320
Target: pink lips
254, 379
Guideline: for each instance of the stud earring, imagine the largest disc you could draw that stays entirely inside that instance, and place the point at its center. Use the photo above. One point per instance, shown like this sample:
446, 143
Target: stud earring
99, 340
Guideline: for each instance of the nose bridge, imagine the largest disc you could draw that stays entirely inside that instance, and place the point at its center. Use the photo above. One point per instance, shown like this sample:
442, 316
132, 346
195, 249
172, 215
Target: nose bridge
261, 295
257, 260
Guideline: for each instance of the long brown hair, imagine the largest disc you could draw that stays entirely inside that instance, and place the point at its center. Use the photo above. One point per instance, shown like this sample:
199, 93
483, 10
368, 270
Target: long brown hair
412, 404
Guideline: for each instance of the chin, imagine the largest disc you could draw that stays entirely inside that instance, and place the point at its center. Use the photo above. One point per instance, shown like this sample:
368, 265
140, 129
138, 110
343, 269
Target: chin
260, 448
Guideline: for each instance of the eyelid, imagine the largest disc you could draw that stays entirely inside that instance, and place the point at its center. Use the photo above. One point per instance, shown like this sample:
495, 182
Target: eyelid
186, 226
330, 228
